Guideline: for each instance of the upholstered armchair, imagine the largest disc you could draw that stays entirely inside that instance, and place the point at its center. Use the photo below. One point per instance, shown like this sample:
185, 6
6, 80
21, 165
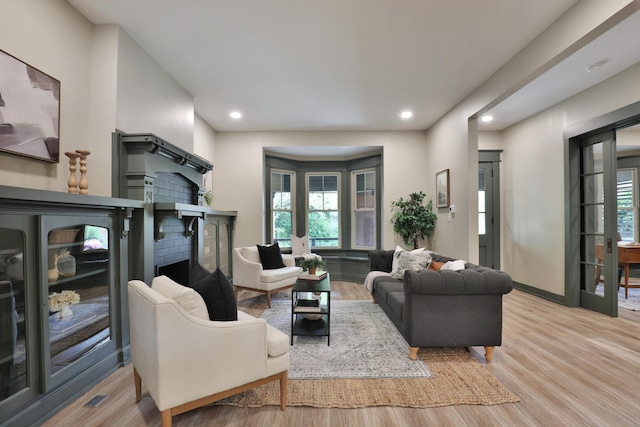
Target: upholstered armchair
187, 361
249, 273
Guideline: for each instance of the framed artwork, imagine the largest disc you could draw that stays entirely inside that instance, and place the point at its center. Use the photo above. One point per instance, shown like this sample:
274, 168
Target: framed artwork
29, 111
442, 189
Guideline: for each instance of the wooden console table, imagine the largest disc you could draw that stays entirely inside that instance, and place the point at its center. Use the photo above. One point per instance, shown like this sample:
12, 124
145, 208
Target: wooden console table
627, 255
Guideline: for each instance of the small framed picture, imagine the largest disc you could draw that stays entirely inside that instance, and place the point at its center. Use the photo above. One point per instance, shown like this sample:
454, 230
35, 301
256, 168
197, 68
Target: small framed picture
442, 189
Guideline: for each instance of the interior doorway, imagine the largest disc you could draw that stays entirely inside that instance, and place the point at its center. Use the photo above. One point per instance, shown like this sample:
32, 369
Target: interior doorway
489, 208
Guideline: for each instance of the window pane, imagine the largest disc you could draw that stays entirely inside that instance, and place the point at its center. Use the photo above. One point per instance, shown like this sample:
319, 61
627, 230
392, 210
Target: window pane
316, 201
331, 200
481, 206
365, 229
481, 183
482, 224
323, 228
331, 183
282, 227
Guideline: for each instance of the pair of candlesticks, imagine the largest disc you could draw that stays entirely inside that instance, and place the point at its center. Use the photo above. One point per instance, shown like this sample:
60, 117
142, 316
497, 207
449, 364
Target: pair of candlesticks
78, 186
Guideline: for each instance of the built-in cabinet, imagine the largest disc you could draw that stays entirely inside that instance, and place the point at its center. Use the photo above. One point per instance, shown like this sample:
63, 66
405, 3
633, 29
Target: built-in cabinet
63, 276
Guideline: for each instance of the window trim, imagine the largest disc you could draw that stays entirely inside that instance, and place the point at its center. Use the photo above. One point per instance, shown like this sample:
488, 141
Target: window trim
272, 210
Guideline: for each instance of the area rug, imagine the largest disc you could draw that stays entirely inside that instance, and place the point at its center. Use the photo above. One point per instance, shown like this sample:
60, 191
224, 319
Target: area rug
364, 344
459, 379
632, 303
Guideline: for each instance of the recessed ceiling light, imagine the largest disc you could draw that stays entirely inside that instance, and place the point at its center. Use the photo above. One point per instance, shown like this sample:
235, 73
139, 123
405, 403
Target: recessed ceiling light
406, 115
486, 118
235, 115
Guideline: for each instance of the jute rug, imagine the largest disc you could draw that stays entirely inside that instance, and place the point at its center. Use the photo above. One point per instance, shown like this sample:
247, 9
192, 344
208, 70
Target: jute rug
459, 379
364, 344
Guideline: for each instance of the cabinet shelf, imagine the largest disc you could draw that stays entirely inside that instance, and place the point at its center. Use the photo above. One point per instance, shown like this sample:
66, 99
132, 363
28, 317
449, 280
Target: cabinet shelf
79, 275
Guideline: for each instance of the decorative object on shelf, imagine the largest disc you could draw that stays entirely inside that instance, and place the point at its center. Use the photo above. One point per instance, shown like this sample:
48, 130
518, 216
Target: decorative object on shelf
208, 197
311, 264
83, 184
63, 235
30, 102
53, 274
66, 264
412, 220
442, 189
61, 302
72, 184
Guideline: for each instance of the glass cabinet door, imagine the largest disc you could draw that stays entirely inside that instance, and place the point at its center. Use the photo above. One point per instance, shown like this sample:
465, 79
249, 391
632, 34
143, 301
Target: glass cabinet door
77, 293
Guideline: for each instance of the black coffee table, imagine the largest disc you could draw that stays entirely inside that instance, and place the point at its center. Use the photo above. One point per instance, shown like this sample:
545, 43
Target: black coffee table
311, 308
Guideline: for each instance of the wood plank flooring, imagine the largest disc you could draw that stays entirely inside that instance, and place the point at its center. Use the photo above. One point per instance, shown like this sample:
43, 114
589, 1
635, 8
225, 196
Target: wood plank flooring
569, 366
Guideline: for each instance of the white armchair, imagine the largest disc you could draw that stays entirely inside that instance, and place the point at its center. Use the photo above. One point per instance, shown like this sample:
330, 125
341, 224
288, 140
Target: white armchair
249, 274
187, 361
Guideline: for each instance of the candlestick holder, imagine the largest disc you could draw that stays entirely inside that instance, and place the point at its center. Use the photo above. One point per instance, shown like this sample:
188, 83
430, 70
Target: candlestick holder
73, 180
83, 184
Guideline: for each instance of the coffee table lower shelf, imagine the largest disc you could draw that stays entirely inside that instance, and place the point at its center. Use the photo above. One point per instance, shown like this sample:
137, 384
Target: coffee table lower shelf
310, 328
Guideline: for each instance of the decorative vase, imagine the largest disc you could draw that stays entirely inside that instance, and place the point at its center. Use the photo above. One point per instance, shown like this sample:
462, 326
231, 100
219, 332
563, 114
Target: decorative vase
65, 313
66, 265
53, 274
312, 270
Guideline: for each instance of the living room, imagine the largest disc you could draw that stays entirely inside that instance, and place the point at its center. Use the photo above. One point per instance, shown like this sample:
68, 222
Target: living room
110, 82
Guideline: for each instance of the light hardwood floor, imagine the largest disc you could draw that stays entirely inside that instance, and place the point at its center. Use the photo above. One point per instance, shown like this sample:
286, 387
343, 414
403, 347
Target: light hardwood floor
569, 366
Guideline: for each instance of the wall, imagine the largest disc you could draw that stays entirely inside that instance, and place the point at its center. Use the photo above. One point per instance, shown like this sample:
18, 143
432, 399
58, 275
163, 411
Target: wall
454, 139
204, 140
533, 220
238, 175
53, 37
107, 82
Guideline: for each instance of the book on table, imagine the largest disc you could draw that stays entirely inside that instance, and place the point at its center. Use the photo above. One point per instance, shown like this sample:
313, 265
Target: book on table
308, 306
318, 276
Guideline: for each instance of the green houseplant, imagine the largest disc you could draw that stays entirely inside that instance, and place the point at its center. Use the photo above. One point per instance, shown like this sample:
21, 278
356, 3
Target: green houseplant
311, 264
412, 220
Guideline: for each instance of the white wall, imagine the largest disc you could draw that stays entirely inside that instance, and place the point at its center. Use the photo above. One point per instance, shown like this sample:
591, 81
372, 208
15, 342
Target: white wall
149, 99
453, 137
53, 37
204, 140
238, 177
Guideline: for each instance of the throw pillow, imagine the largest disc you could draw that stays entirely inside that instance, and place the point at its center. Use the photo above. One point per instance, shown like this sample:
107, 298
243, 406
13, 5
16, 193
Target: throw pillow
436, 265
396, 255
218, 296
188, 299
270, 256
197, 272
300, 245
453, 265
412, 261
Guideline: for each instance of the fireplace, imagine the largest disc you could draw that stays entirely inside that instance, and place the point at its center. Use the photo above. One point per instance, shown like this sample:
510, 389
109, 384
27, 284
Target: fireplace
174, 222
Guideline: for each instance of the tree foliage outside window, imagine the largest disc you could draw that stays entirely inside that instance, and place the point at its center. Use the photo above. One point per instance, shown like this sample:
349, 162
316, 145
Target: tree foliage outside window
323, 211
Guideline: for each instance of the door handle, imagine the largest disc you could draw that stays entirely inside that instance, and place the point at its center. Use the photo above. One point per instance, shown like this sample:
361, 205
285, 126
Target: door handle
609, 246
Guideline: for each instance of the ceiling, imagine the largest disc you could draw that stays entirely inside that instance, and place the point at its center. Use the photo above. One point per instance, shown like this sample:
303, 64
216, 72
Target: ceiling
328, 65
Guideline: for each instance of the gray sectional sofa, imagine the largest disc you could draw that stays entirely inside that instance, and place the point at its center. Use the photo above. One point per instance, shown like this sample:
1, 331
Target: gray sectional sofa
443, 308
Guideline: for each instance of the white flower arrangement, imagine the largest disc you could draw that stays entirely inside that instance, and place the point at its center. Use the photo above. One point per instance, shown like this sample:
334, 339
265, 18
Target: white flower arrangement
58, 301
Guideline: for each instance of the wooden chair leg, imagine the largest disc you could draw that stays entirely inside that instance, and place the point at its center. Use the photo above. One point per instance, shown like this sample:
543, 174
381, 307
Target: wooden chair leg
138, 383
268, 299
283, 390
236, 290
488, 352
413, 353
166, 418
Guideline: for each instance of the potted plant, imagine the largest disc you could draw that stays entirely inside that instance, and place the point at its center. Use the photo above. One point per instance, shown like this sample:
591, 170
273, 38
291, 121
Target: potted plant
311, 264
412, 220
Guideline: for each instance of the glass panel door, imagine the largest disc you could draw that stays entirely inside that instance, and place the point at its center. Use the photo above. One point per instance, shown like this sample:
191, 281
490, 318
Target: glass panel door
598, 219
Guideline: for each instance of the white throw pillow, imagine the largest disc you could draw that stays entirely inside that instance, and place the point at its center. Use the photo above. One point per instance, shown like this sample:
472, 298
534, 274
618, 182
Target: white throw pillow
300, 245
187, 298
453, 265
396, 255
414, 261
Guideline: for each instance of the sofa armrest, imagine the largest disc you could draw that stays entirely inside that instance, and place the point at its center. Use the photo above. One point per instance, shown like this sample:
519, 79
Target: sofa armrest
380, 260
479, 281
288, 260
244, 270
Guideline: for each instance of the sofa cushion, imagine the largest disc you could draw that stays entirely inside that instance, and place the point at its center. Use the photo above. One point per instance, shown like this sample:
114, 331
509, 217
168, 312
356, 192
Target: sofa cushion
218, 296
277, 341
385, 285
413, 261
188, 299
270, 256
278, 274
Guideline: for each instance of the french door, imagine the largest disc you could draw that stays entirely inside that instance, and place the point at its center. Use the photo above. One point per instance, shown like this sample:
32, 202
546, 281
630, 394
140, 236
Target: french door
595, 157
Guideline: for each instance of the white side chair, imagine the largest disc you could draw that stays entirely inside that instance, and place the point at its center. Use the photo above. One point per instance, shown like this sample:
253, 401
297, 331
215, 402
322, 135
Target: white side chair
187, 361
248, 272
